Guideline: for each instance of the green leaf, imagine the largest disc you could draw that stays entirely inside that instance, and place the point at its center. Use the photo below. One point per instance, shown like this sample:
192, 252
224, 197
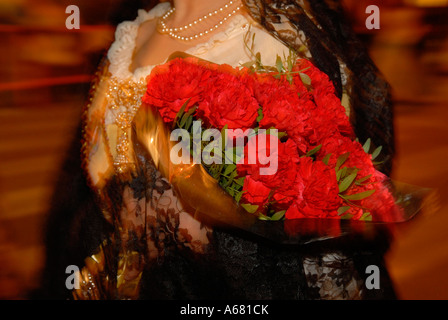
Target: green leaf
366, 217
313, 151
305, 79
377, 152
258, 60
290, 62
227, 181
182, 109
348, 216
343, 210
346, 182
183, 120
326, 159
238, 196
229, 169
260, 115
366, 146
377, 163
359, 196
278, 215
191, 111
239, 181
188, 123
360, 181
279, 64
281, 135
249, 207
248, 64
263, 217
340, 174
215, 171
341, 160
180, 112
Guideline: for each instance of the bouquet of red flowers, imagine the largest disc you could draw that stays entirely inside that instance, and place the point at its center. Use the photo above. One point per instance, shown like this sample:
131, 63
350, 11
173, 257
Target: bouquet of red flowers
277, 140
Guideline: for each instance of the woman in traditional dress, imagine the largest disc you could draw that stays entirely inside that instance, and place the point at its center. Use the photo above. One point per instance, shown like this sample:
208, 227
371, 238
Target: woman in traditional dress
123, 224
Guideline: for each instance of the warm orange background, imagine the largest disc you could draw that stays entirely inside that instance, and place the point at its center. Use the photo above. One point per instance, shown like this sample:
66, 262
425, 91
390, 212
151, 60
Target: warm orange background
44, 75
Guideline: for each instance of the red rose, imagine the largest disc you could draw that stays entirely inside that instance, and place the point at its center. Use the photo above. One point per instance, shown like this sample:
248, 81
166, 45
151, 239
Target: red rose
227, 101
170, 85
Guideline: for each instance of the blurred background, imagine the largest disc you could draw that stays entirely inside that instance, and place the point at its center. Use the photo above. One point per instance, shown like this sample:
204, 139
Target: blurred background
45, 71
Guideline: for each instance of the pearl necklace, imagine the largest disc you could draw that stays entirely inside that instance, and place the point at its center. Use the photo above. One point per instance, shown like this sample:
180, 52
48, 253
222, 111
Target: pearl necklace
174, 32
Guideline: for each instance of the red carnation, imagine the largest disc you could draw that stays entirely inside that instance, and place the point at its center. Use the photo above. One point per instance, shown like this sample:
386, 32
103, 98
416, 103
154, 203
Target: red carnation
227, 101
255, 193
281, 175
170, 86
329, 111
382, 203
328, 116
320, 196
281, 180
319, 80
338, 145
285, 108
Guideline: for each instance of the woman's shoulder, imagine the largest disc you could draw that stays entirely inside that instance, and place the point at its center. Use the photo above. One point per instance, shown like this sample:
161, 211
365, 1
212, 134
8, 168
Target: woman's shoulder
121, 51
